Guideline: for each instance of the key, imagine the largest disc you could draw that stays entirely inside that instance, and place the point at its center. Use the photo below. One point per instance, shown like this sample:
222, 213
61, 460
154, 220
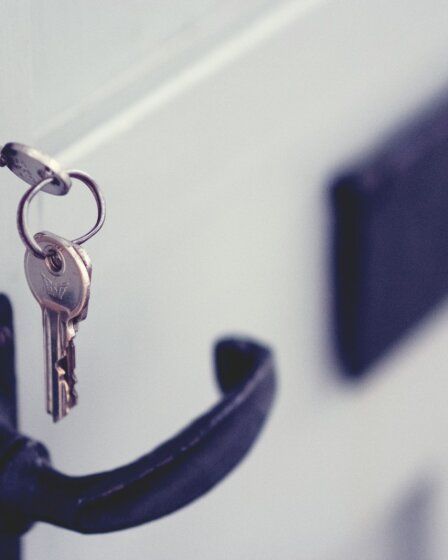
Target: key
61, 285
70, 366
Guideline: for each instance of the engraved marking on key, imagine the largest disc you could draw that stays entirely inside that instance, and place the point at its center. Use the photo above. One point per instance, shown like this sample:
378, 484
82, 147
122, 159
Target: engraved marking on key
54, 289
61, 285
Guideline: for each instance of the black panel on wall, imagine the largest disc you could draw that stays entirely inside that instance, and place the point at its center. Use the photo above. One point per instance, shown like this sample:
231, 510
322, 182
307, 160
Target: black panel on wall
390, 241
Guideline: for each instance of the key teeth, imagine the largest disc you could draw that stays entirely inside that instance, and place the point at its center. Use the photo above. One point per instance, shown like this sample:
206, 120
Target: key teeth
68, 397
72, 392
70, 375
67, 365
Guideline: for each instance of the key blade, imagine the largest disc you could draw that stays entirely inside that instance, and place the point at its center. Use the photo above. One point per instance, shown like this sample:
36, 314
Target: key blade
57, 388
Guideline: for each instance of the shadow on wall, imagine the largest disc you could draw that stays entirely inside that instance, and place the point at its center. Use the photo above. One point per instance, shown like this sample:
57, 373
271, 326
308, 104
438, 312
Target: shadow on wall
402, 534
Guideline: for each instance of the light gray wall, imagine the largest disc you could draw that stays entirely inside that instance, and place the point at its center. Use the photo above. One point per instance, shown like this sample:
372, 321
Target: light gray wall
215, 178
91, 59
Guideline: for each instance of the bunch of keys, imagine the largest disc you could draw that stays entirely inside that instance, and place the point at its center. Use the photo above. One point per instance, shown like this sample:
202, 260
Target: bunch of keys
58, 271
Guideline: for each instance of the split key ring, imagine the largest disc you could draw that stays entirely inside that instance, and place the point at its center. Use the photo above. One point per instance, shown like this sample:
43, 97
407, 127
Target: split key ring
22, 212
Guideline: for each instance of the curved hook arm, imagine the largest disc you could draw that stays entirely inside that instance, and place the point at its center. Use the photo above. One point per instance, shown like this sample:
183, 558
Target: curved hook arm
162, 481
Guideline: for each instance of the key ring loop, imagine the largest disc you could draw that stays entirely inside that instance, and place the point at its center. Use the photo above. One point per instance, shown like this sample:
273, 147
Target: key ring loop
22, 211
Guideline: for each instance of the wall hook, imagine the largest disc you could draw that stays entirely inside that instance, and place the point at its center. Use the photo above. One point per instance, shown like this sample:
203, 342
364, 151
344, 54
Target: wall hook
164, 480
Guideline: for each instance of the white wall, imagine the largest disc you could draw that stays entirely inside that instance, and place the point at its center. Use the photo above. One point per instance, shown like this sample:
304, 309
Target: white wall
216, 181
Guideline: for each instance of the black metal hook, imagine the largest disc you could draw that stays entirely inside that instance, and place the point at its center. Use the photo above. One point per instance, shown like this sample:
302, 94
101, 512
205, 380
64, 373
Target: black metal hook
176, 473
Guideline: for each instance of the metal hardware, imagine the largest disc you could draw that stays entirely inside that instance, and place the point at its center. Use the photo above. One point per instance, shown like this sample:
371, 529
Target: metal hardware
32, 166
22, 212
61, 285
161, 482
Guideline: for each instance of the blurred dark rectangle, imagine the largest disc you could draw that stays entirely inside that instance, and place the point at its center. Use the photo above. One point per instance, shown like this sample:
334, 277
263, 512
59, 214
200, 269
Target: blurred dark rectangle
390, 244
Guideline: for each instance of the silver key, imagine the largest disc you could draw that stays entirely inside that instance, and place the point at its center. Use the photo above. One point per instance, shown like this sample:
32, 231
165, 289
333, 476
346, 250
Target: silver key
61, 285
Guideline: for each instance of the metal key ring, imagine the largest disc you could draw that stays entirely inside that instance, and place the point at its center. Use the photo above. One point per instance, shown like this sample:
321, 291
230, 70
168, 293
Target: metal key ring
22, 211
